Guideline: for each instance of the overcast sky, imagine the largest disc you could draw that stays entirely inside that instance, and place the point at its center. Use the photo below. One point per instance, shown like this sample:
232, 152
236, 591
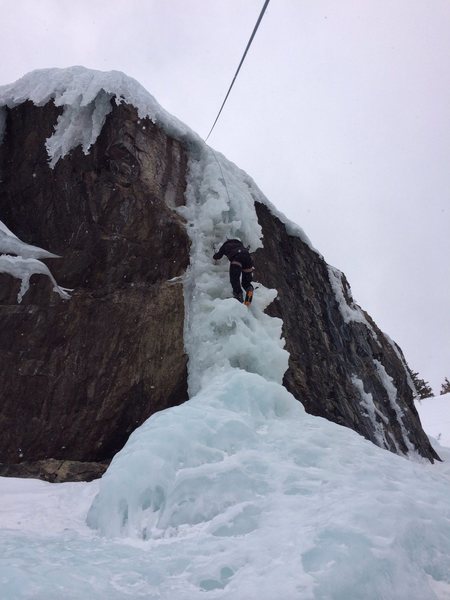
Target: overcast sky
341, 114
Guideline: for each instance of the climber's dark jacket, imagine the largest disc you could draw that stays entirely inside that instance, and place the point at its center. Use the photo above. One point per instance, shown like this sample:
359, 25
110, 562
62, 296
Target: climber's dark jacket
235, 251
240, 264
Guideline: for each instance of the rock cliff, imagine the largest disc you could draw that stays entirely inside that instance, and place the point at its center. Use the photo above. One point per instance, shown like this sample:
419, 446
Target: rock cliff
79, 374
341, 365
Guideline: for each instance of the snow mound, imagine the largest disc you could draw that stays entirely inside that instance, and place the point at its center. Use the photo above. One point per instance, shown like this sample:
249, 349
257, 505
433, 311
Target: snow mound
339, 518
205, 461
277, 499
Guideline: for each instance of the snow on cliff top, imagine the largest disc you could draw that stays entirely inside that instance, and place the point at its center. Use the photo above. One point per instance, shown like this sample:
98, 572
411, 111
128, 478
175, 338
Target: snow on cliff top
78, 87
86, 94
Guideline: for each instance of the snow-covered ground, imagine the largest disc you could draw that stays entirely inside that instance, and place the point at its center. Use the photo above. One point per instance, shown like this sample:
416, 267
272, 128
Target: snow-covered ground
238, 493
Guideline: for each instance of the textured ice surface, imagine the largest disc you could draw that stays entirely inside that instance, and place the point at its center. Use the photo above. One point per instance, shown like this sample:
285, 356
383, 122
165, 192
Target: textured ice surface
24, 263
219, 332
256, 500
202, 462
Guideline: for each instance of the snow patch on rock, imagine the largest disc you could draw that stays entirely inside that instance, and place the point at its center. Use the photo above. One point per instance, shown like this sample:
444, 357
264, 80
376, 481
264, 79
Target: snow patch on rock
372, 412
349, 311
23, 269
24, 262
392, 393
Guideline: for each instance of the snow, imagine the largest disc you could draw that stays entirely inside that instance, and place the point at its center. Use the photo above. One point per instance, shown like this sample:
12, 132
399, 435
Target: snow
85, 96
350, 312
372, 412
392, 393
10, 244
238, 493
25, 264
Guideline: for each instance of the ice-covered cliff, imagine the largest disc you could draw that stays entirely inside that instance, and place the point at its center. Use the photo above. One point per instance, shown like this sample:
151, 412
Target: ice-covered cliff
237, 492
133, 202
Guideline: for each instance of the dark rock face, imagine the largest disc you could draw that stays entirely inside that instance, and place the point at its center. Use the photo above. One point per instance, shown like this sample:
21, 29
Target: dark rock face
78, 376
326, 352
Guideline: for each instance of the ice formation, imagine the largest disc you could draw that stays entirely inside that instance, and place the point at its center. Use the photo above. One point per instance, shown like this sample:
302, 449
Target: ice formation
23, 269
391, 391
240, 495
401, 358
85, 97
236, 494
10, 244
372, 412
349, 310
24, 263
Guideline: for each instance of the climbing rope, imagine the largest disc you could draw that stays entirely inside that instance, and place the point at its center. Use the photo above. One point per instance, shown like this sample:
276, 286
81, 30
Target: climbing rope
223, 176
261, 14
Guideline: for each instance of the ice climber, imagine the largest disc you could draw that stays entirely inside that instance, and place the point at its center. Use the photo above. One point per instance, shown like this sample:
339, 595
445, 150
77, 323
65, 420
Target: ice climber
240, 264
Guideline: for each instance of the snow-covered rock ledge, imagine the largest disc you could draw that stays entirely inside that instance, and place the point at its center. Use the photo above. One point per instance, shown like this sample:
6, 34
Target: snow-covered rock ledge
85, 96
